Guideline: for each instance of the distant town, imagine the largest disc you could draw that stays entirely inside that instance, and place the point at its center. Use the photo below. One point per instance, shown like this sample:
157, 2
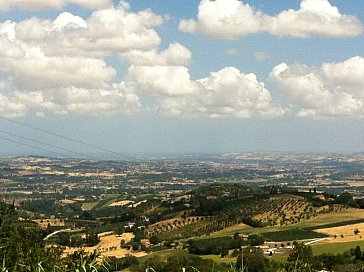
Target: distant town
75, 180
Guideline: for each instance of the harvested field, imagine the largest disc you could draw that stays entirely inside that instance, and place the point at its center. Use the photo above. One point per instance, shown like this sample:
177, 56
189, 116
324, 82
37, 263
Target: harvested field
121, 203
67, 201
136, 204
109, 246
346, 231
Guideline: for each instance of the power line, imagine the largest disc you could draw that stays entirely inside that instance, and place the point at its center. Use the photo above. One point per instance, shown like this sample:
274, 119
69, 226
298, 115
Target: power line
68, 138
31, 146
42, 143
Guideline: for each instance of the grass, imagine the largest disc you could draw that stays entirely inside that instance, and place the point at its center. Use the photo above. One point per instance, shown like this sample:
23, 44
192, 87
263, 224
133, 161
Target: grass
111, 201
292, 234
164, 254
88, 206
218, 259
241, 228
335, 247
279, 257
318, 249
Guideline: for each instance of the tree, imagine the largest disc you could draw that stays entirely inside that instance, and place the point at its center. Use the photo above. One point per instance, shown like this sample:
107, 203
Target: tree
254, 260
301, 252
224, 252
76, 240
22, 247
299, 266
117, 264
345, 198
256, 240
358, 253
64, 239
86, 215
329, 261
154, 240
300, 258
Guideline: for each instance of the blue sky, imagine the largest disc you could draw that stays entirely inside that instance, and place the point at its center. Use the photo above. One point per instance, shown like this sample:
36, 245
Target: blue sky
156, 76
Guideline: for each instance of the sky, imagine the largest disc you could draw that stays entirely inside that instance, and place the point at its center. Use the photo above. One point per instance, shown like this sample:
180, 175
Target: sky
153, 77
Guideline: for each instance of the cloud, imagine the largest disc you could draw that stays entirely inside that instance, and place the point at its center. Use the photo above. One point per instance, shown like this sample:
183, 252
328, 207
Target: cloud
68, 20
332, 90
59, 65
232, 52
160, 81
231, 19
83, 101
114, 99
225, 93
44, 54
347, 73
224, 19
40, 72
262, 56
175, 55
315, 17
11, 108
52, 4
105, 32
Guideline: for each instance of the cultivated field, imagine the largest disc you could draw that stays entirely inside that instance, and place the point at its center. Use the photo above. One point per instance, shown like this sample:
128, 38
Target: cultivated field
121, 203
333, 217
109, 246
344, 233
241, 228
316, 222
88, 206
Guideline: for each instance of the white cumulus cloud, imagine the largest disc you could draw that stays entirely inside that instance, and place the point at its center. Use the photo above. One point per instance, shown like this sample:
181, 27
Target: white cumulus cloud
224, 19
231, 19
41, 72
105, 32
84, 101
225, 93
332, 90
59, 65
160, 81
175, 55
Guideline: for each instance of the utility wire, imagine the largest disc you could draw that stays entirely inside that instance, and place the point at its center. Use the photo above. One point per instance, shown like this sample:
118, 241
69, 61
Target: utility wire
68, 138
42, 143
31, 146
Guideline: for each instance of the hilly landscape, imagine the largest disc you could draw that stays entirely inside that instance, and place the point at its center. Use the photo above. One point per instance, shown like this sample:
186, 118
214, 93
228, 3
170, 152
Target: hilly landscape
203, 219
